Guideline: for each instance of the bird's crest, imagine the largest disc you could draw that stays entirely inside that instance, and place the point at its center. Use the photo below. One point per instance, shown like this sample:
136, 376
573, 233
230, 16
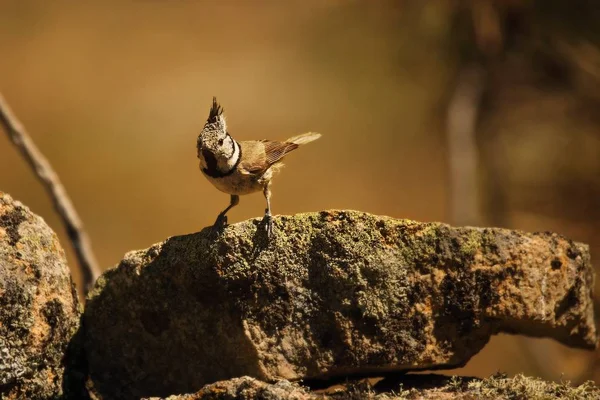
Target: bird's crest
215, 114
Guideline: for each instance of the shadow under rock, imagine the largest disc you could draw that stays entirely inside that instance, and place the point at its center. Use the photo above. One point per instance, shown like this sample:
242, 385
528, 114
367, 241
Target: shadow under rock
76, 371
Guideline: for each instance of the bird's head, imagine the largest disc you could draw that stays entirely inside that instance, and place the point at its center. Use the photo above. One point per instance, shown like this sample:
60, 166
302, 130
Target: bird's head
214, 141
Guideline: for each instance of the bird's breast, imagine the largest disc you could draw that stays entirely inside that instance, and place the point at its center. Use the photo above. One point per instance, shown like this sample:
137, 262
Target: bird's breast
235, 183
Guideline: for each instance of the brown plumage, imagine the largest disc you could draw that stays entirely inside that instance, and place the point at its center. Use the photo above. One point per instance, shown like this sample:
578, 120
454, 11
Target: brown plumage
260, 155
240, 168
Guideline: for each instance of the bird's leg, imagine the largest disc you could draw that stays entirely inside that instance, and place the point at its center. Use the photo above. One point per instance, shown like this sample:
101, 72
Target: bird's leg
222, 218
268, 219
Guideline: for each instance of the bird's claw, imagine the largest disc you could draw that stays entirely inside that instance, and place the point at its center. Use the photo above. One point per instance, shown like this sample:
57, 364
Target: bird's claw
268, 224
219, 224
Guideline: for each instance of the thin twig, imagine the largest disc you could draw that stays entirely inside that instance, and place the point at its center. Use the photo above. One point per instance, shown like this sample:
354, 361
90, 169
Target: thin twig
62, 202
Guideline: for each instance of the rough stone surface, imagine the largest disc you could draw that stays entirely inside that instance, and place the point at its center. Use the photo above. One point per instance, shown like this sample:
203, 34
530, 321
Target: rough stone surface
422, 387
333, 293
247, 388
38, 305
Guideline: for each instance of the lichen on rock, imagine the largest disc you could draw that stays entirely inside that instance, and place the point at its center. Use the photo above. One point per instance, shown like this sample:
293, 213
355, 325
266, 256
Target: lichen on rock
333, 293
408, 387
38, 305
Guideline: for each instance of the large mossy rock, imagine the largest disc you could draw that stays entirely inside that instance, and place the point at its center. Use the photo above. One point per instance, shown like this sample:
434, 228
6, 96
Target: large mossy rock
331, 294
38, 306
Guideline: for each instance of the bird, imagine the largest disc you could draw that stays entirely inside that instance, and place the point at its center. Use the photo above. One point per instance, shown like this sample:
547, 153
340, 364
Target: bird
241, 168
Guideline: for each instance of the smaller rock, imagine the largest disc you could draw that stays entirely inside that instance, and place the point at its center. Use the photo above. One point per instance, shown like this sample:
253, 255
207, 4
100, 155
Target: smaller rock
38, 306
247, 388
422, 387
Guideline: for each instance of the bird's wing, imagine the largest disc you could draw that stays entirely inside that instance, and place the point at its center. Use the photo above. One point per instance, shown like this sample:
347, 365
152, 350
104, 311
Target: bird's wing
276, 150
258, 156
254, 159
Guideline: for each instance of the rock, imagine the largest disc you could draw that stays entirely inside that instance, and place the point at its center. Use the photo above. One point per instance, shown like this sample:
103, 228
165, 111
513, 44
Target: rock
38, 305
332, 294
248, 388
422, 387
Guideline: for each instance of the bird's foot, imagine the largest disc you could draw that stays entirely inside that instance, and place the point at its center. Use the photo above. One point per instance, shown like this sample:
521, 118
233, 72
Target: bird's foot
268, 224
219, 224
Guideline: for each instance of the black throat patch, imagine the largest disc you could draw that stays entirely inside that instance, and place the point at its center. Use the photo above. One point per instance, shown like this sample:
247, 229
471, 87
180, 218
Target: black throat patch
212, 168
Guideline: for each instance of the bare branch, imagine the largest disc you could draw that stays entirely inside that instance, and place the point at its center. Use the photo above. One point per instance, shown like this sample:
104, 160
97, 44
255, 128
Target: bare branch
62, 202
463, 111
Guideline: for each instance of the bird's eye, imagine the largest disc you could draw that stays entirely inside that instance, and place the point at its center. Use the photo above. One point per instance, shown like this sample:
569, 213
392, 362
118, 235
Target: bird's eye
220, 142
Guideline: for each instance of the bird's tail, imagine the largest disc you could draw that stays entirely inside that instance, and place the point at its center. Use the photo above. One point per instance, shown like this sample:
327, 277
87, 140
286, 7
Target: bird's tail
304, 138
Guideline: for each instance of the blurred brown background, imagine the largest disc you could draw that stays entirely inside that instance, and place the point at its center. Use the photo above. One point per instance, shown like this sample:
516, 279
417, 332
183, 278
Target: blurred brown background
482, 112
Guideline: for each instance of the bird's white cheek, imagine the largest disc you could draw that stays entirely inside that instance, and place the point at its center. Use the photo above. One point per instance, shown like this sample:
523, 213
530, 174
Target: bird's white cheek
232, 160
